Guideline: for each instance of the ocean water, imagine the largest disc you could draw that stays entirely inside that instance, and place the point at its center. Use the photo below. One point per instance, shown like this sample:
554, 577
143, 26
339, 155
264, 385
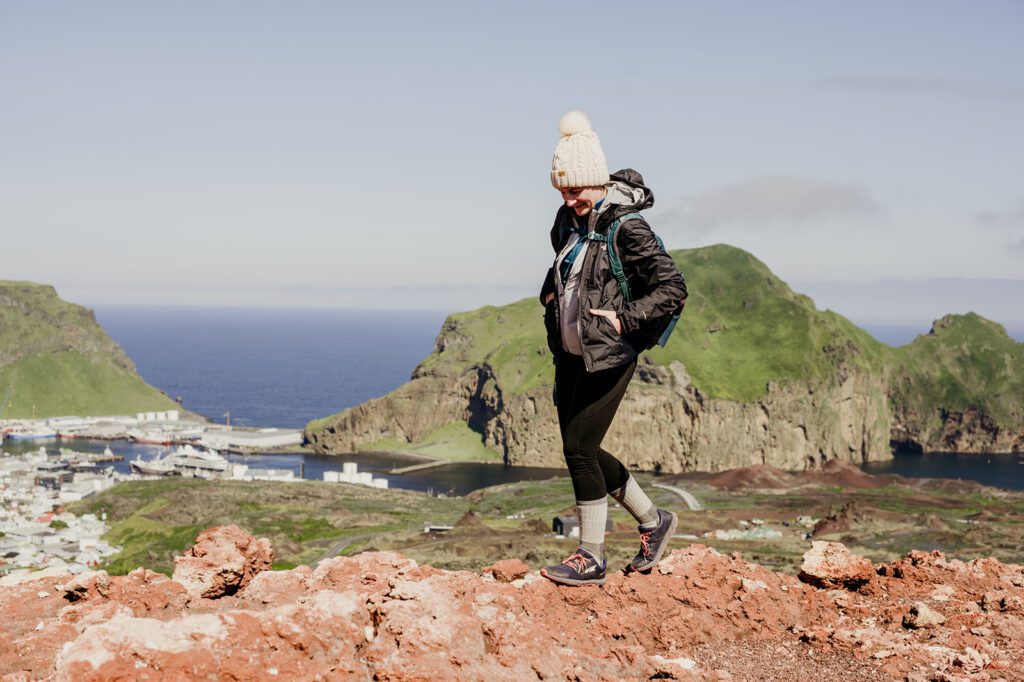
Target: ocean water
271, 366
901, 334
999, 471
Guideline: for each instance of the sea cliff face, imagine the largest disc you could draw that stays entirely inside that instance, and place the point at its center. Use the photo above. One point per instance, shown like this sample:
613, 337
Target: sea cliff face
664, 423
755, 375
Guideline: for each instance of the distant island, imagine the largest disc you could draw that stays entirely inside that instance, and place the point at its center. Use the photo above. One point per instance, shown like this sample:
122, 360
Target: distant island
755, 374
56, 360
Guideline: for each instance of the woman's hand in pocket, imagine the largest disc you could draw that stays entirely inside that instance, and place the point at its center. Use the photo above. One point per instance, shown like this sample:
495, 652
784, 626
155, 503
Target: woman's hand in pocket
611, 316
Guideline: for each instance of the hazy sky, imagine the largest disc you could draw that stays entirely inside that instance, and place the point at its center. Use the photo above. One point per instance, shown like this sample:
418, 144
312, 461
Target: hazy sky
397, 154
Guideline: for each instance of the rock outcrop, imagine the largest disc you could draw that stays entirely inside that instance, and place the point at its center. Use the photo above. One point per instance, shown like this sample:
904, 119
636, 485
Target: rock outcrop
700, 615
223, 560
755, 374
664, 421
830, 565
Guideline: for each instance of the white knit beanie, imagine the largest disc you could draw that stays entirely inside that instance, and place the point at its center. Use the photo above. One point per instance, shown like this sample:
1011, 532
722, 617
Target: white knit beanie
579, 159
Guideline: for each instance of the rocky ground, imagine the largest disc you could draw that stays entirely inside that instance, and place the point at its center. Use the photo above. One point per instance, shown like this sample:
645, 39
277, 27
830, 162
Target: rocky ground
701, 615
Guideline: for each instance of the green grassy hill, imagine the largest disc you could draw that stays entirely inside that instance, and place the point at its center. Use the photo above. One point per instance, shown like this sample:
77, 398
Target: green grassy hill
744, 328
965, 362
55, 360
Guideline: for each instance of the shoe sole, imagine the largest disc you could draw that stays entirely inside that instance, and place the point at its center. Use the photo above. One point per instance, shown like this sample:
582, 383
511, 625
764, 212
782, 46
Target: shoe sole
657, 557
573, 583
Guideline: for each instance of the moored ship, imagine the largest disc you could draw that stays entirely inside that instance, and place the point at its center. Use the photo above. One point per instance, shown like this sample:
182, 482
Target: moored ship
159, 466
199, 462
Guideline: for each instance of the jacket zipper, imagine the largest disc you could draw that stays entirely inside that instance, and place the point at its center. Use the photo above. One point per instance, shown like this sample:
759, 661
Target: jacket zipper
579, 303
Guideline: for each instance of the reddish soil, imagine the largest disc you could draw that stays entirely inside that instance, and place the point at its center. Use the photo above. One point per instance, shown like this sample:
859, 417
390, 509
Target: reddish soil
700, 615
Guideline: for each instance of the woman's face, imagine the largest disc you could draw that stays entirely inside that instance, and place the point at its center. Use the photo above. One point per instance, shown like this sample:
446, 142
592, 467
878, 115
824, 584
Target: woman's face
582, 199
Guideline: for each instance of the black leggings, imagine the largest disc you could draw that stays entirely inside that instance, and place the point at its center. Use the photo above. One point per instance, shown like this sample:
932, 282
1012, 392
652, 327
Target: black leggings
586, 406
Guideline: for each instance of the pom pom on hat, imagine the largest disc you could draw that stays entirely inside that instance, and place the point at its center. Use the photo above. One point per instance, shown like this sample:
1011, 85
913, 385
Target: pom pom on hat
573, 121
579, 159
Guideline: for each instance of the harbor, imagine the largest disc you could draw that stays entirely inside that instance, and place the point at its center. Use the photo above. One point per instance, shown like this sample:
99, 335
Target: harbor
151, 428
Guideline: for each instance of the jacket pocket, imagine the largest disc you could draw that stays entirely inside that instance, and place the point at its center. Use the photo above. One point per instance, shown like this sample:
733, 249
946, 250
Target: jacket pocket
609, 326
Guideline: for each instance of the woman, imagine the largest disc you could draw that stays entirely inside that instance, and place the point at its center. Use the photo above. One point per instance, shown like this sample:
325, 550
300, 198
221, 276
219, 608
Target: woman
595, 332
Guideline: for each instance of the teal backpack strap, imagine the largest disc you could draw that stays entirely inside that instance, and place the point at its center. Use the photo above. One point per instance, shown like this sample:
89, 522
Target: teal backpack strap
616, 264
613, 254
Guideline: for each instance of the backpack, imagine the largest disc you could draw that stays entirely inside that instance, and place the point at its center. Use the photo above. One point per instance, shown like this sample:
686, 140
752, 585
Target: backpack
661, 333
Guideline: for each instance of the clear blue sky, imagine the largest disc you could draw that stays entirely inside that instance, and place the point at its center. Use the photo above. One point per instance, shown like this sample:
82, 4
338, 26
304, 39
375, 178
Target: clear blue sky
397, 154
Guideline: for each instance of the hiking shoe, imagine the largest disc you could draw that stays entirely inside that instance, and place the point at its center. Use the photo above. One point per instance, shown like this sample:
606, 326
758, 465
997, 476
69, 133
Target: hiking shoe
653, 542
582, 568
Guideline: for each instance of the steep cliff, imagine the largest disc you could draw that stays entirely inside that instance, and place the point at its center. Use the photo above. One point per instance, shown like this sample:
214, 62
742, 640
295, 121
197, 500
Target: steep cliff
754, 374
55, 359
960, 388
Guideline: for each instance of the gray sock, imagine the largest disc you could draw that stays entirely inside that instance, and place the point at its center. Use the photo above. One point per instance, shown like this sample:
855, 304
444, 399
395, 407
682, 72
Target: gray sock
593, 516
636, 502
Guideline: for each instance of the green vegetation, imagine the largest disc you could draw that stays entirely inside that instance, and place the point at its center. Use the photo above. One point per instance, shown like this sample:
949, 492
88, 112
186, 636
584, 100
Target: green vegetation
742, 328
154, 520
67, 382
964, 361
56, 360
509, 339
454, 441
57, 524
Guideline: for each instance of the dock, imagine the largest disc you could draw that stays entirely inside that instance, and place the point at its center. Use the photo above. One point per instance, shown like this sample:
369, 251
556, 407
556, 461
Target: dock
419, 467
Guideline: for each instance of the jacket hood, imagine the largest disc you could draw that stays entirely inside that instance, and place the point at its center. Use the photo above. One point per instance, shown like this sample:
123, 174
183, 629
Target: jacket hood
627, 189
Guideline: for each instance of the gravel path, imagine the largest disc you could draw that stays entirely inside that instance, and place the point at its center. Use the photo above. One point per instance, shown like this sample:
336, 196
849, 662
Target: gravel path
688, 498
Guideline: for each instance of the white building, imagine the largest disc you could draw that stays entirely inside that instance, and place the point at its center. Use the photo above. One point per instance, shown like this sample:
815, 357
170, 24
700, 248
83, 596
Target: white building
350, 474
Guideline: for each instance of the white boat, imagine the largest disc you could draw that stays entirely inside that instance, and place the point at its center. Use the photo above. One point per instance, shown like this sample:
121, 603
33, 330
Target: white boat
42, 434
187, 457
154, 467
151, 436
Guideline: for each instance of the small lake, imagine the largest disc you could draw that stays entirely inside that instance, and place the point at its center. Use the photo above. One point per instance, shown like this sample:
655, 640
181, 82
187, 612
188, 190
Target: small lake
1001, 471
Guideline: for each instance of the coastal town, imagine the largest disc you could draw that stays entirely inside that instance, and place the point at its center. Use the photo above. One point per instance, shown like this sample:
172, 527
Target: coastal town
37, 532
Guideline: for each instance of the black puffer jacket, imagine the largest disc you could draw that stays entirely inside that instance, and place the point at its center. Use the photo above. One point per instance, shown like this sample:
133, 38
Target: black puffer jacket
655, 285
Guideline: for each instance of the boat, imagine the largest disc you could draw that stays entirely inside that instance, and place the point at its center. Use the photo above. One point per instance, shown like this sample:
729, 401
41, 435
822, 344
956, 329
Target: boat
44, 434
187, 457
88, 459
154, 467
151, 436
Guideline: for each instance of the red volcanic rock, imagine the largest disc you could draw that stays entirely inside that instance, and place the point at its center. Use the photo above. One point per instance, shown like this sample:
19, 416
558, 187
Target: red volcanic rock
830, 565
86, 586
508, 570
921, 615
700, 615
223, 560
